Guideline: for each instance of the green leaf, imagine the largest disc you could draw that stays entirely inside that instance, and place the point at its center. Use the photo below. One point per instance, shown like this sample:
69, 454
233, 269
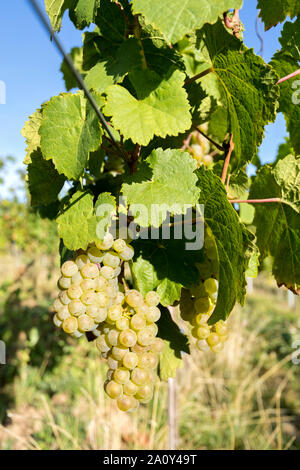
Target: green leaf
232, 240
98, 78
55, 10
69, 132
166, 183
111, 23
238, 185
286, 62
83, 14
161, 107
278, 224
31, 133
175, 344
165, 265
43, 180
77, 222
274, 11
244, 84
76, 55
175, 19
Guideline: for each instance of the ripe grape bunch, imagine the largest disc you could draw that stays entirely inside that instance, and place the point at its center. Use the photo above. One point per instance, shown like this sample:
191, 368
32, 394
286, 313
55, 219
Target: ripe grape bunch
91, 299
198, 303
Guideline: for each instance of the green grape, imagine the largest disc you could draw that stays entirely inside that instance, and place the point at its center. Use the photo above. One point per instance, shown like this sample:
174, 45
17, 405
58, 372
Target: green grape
217, 347
76, 334
153, 315
145, 337
198, 290
122, 323
69, 268
102, 344
152, 299
106, 243
119, 353
115, 312
117, 271
139, 376
95, 255
137, 322
202, 305
119, 245
152, 376
107, 272
142, 309
145, 392
113, 389
128, 338
101, 284
221, 328
130, 388
63, 313
58, 305
202, 332
89, 297
201, 319
130, 360
202, 345
134, 298
102, 299
101, 315
77, 278
85, 323
75, 292
64, 298
57, 322
127, 254
157, 346
213, 339
148, 360
70, 325
111, 259
81, 261
76, 308
112, 363
121, 375
210, 285
113, 337
153, 328
90, 271
88, 284
127, 403
64, 282
92, 311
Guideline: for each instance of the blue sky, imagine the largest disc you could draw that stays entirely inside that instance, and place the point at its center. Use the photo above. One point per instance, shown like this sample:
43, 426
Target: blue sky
30, 69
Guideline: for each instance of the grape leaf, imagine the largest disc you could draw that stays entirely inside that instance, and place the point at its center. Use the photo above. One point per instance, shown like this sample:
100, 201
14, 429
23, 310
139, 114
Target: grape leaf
232, 240
175, 19
83, 13
165, 265
175, 343
55, 10
77, 221
161, 107
105, 208
274, 11
98, 79
69, 132
244, 84
31, 133
44, 182
278, 224
285, 62
168, 185
76, 55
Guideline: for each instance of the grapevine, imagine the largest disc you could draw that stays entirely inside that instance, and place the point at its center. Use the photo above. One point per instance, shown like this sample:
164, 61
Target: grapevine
143, 161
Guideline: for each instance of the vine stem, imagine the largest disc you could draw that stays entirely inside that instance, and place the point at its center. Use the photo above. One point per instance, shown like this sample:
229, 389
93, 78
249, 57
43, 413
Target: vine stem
254, 201
135, 157
199, 75
291, 75
227, 159
219, 147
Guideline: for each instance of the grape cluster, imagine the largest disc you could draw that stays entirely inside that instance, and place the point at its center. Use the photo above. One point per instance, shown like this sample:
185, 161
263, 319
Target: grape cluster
122, 321
128, 341
199, 148
197, 303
